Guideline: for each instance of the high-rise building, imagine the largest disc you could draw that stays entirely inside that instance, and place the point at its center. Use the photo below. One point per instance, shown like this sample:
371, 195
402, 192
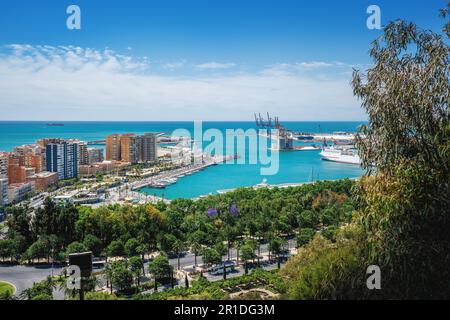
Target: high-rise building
34, 161
17, 173
3, 191
95, 155
4, 162
44, 142
131, 148
82, 151
31, 156
62, 158
113, 147
148, 148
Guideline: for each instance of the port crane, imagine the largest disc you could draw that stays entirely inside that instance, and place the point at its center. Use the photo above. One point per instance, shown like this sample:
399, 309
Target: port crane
282, 138
270, 123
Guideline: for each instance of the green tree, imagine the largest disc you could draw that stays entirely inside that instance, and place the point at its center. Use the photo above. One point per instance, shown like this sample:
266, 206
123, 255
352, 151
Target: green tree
131, 247
19, 223
304, 236
40, 249
115, 249
76, 247
122, 276
247, 254
403, 216
93, 244
159, 267
308, 219
211, 256
405, 204
39, 291
275, 245
6, 249
136, 266
195, 241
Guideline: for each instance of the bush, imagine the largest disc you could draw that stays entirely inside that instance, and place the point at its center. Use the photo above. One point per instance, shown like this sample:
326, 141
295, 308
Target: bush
100, 296
323, 270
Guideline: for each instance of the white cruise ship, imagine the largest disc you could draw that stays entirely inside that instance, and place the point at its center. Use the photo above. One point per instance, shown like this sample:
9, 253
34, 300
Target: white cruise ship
347, 155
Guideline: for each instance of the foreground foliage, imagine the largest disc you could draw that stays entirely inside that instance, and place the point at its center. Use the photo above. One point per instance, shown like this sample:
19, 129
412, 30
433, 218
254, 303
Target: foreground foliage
403, 219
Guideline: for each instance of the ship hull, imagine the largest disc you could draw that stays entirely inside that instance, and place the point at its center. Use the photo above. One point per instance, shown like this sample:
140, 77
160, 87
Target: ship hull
355, 160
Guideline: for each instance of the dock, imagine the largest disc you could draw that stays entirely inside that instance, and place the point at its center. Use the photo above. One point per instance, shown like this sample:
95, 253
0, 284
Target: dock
172, 176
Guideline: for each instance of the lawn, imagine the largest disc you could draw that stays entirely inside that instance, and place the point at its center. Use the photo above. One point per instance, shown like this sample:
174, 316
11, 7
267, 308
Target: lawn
5, 288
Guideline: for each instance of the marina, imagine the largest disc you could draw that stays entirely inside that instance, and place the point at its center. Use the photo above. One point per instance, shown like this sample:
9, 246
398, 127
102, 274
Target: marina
165, 179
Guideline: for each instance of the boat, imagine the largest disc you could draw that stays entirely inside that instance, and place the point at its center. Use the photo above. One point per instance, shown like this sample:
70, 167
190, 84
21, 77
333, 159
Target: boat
55, 124
304, 137
348, 155
307, 148
158, 185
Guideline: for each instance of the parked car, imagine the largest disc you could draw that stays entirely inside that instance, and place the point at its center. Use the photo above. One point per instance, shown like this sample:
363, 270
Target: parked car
217, 270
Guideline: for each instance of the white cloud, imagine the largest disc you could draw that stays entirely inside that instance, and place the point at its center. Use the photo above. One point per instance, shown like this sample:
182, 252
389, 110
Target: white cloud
72, 83
173, 65
216, 65
315, 64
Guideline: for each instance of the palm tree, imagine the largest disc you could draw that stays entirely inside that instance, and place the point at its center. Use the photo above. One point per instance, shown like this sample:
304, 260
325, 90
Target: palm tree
109, 274
196, 248
248, 253
238, 244
178, 247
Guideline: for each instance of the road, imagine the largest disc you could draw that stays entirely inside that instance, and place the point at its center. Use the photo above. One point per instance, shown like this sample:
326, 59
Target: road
23, 277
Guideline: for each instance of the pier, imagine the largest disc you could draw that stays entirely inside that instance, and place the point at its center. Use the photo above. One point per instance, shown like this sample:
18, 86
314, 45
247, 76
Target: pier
164, 179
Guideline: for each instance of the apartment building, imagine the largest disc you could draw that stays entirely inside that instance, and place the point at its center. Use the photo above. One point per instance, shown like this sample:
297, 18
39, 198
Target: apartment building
131, 148
62, 158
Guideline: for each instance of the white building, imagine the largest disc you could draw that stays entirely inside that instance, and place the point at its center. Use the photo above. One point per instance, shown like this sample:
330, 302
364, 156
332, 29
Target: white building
18, 192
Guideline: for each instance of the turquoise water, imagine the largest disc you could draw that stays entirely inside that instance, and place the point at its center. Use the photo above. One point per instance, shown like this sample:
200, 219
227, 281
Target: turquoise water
294, 167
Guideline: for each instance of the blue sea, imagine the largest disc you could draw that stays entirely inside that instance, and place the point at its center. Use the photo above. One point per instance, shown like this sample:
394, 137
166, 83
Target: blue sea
294, 167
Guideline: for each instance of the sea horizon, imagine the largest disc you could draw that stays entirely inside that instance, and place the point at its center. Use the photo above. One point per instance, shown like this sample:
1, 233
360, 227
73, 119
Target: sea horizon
179, 121
294, 167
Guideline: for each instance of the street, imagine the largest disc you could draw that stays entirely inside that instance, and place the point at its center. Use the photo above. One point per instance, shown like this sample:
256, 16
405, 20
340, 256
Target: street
23, 277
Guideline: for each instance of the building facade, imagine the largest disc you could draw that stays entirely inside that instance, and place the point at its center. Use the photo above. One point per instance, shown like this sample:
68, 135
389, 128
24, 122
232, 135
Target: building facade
31, 156
83, 157
17, 192
4, 162
131, 148
17, 173
3, 191
62, 158
95, 155
149, 151
43, 180
113, 147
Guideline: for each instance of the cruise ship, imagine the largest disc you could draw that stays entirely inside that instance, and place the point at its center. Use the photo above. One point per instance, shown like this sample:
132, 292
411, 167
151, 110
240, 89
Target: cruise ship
347, 155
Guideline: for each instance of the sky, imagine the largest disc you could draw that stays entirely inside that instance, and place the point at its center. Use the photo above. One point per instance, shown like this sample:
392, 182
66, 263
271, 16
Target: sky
190, 59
